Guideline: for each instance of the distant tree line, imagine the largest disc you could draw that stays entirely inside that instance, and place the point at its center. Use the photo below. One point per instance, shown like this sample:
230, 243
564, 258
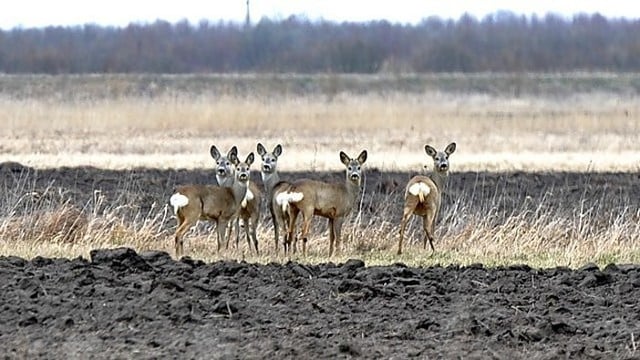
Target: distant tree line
502, 42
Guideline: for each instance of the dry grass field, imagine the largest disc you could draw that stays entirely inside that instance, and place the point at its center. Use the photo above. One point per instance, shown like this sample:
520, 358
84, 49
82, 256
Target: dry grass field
52, 123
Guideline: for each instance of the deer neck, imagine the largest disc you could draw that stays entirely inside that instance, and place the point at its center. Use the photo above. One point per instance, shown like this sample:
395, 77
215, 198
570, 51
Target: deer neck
270, 180
353, 189
226, 181
440, 179
239, 189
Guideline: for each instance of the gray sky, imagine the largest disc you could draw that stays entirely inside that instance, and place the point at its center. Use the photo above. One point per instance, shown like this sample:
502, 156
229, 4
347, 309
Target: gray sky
39, 13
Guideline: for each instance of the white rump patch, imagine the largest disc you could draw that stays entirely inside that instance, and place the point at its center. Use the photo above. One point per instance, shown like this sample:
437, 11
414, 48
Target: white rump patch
285, 198
178, 201
248, 196
420, 190
295, 196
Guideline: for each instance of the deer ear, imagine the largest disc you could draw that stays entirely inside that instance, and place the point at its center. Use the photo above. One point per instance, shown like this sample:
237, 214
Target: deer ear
214, 152
250, 159
430, 150
344, 158
261, 150
234, 159
362, 157
233, 151
277, 151
450, 148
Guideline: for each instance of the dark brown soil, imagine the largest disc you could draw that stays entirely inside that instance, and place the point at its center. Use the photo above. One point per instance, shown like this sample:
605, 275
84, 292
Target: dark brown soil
126, 305
120, 304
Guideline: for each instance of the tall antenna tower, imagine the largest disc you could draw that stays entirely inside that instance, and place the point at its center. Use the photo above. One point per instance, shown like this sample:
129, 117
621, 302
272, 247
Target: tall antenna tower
247, 19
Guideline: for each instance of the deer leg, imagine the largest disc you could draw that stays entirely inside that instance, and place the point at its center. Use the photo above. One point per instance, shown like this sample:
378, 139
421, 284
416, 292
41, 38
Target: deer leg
179, 238
245, 221
250, 231
228, 233
279, 223
337, 230
409, 208
306, 224
285, 219
222, 232
178, 246
237, 223
332, 236
293, 214
427, 225
255, 239
218, 235
254, 230
276, 225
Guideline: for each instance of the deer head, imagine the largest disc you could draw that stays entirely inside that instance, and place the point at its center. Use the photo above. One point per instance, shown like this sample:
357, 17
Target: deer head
224, 165
269, 159
354, 166
440, 158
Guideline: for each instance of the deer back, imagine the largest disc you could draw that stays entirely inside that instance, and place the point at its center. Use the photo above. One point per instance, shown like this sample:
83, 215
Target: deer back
326, 199
207, 201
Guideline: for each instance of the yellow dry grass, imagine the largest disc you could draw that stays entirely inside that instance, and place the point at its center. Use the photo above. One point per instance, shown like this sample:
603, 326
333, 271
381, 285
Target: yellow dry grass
547, 241
594, 132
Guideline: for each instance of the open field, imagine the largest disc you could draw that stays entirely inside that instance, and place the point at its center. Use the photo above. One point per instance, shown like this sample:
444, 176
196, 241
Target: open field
117, 122
555, 130
546, 174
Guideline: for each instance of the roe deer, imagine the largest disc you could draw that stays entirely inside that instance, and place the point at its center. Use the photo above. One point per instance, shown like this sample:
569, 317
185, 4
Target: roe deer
250, 206
273, 186
210, 202
330, 200
423, 194
250, 215
225, 171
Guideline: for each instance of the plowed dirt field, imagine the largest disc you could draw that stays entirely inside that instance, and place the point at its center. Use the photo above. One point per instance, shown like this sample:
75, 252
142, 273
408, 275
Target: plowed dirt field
123, 304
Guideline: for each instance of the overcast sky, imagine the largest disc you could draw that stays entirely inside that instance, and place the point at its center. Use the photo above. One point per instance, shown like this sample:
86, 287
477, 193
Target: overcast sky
40, 13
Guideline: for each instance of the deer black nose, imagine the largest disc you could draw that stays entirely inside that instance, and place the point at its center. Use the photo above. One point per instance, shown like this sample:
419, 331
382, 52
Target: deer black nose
221, 171
355, 176
266, 167
444, 167
243, 176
